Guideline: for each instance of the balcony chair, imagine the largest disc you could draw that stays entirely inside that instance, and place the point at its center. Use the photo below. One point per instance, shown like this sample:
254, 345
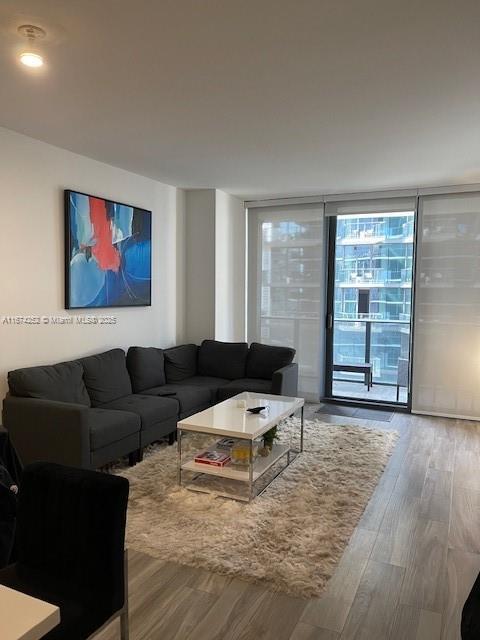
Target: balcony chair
402, 375
70, 547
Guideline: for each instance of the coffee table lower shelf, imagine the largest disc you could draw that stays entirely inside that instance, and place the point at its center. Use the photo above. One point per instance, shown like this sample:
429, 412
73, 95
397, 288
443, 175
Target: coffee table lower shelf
226, 481
233, 472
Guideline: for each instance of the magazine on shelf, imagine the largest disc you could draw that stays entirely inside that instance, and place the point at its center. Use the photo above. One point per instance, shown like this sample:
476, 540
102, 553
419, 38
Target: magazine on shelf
213, 458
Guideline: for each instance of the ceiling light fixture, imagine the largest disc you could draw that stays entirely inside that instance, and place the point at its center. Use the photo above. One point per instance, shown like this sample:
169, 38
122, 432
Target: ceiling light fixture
31, 57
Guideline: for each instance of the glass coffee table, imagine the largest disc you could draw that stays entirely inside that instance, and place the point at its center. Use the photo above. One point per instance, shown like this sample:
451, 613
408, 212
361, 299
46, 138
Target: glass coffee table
209, 432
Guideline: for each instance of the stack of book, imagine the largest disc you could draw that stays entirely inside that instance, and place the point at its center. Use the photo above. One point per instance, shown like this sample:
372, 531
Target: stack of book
213, 458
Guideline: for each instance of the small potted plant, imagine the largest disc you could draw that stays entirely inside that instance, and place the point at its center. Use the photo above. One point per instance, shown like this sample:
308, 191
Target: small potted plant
268, 439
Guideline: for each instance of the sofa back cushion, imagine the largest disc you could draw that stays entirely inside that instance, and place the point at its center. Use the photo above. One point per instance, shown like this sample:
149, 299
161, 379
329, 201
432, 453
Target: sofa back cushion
264, 359
146, 368
62, 382
180, 362
106, 376
222, 359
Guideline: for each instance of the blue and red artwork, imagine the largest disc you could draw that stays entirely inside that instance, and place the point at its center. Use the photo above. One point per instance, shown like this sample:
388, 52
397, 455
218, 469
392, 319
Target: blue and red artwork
108, 253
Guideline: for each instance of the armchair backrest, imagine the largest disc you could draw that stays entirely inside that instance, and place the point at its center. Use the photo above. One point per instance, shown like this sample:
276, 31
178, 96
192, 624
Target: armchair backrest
71, 524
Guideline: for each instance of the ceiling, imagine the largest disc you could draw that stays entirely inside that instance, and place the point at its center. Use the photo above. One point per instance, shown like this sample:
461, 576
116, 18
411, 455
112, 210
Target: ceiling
257, 97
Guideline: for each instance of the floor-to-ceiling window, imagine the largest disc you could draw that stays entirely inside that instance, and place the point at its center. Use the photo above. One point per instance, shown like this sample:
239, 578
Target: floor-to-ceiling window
371, 263
286, 285
370, 308
446, 374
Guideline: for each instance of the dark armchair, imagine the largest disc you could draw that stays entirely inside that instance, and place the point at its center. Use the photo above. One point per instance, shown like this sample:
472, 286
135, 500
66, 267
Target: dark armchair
70, 547
471, 613
8, 509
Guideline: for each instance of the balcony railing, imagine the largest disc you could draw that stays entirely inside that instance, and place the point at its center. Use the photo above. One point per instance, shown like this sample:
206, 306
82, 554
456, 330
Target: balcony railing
367, 276
378, 342
358, 230
367, 231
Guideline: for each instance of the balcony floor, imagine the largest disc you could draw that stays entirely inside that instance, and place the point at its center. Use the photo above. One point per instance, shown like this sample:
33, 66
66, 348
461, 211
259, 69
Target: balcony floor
359, 391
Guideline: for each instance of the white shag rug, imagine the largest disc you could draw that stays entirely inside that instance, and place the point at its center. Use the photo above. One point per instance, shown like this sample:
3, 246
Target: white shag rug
290, 538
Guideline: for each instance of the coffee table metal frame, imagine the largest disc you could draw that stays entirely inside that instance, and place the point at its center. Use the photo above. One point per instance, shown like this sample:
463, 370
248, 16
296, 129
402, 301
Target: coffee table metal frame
256, 468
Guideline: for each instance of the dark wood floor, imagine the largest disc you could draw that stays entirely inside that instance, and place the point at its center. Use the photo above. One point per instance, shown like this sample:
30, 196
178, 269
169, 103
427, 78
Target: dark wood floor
404, 576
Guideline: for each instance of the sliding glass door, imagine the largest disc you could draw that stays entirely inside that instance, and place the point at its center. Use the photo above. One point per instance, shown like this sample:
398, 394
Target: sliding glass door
371, 250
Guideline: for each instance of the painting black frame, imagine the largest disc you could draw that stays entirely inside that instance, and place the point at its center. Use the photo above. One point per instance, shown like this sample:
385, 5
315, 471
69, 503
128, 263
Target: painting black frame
68, 247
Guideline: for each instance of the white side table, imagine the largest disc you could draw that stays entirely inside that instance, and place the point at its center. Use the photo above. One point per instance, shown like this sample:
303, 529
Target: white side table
25, 618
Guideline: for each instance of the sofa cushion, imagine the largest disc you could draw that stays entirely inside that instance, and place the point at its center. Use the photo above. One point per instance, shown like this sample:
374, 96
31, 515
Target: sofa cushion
106, 376
180, 362
244, 384
108, 426
146, 367
151, 409
222, 359
263, 360
62, 382
209, 382
191, 398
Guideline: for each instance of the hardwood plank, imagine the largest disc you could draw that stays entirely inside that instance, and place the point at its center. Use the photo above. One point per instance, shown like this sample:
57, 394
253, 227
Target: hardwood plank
373, 609
466, 469
399, 454
224, 615
331, 610
394, 540
306, 632
436, 495
327, 612
445, 428
412, 623
438, 481
162, 593
434, 506
151, 598
182, 611
443, 454
465, 519
405, 623
462, 570
274, 619
412, 479
375, 510
210, 582
429, 626
426, 567
467, 435
245, 610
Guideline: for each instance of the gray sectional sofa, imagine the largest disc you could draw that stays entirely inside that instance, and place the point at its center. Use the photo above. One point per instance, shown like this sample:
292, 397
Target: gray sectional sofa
91, 411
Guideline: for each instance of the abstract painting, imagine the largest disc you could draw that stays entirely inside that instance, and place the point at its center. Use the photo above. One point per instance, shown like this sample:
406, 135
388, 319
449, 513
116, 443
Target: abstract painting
107, 253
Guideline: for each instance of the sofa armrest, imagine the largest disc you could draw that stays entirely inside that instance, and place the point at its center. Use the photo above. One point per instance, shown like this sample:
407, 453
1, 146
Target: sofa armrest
48, 431
285, 381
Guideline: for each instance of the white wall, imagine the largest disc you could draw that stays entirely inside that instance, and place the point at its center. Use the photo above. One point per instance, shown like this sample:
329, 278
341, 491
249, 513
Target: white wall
180, 280
215, 243
32, 178
230, 286
200, 264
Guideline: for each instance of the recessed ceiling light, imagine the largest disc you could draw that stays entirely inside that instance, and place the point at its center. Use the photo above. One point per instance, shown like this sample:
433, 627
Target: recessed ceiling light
31, 56
30, 59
